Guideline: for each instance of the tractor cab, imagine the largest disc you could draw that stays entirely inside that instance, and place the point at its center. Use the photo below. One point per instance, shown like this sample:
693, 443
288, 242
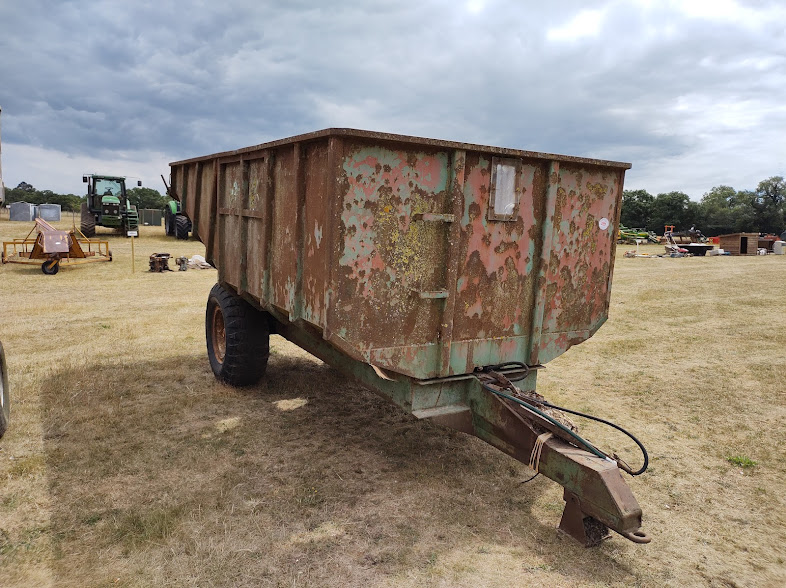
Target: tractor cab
101, 189
107, 194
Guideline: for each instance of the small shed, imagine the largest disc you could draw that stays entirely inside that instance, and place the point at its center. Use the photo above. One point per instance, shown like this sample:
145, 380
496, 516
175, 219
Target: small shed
739, 243
49, 212
22, 211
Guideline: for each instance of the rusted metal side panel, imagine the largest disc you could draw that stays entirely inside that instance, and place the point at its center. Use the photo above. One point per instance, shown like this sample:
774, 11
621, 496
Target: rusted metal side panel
193, 188
455, 198
254, 218
178, 179
496, 282
230, 202
205, 205
204, 223
578, 275
336, 187
391, 272
283, 263
315, 269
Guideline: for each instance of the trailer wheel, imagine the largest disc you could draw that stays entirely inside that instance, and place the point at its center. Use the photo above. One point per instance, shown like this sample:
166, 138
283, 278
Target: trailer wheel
50, 267
87, 222
5, 400
237, 338
182, 226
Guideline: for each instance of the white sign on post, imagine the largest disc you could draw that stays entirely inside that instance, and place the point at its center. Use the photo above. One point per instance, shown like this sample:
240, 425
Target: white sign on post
133, 233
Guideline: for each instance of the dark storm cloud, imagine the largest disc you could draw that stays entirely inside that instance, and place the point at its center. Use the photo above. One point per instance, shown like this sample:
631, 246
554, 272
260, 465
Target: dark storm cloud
621, 80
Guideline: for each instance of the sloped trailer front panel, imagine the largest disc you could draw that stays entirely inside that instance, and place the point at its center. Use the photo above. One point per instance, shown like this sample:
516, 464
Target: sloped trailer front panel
421, 257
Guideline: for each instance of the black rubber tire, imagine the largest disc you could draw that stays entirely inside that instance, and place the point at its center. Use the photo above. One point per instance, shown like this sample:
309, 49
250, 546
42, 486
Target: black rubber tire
169, 223
87, 222
239, 358
5, 394
182, 226
50, 269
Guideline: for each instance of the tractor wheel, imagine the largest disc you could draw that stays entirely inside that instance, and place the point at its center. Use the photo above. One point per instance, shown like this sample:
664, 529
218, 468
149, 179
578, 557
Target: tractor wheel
87, 223
169, 223
182, 226
5, 400
50, 267
237, 338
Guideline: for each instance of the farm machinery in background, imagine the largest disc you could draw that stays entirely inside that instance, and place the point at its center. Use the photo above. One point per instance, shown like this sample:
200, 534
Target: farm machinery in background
691, 241
176, 223
107, 205
630, 236
692, 235
50, 247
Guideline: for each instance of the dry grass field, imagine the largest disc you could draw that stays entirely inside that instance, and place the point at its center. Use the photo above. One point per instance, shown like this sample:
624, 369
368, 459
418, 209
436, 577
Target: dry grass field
127, 464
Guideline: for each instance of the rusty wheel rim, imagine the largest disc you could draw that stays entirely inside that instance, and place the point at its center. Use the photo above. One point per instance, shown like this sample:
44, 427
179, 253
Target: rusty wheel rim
219, 335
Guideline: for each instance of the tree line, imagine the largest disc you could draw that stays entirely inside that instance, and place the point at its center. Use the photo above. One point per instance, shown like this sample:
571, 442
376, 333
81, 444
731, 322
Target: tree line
720, 211
24, 192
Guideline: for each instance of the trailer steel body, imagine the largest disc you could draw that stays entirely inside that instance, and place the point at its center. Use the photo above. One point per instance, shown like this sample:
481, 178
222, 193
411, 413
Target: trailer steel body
410, 263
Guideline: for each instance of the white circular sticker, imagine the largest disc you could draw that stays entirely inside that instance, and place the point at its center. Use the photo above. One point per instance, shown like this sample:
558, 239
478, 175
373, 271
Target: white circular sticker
603, 223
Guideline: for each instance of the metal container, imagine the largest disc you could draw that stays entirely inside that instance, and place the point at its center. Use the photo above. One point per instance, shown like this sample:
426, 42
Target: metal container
410, 264
22, 211
422, 257
49, 212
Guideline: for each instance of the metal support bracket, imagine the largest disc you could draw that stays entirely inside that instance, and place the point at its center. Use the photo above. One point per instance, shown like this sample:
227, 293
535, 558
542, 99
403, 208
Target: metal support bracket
596, 495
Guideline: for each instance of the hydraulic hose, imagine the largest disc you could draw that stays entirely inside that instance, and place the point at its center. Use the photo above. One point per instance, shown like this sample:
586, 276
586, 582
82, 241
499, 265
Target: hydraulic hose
581, 441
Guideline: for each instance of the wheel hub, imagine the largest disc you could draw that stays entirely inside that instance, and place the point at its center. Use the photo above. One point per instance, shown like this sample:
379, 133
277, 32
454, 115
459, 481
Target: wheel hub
219, 335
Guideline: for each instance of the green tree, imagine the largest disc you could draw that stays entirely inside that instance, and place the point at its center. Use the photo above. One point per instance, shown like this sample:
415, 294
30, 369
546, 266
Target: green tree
636, 209
744, 213
673, 208
146, 198
718, 211
25, 192
69, 202
768, 203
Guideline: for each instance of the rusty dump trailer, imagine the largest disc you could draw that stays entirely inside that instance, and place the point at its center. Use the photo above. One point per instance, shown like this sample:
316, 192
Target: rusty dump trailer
434, 272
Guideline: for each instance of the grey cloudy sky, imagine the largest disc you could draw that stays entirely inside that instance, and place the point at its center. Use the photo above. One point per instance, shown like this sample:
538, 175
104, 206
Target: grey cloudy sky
693, 93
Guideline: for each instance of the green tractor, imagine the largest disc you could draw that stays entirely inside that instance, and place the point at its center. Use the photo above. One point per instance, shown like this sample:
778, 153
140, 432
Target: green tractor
176, 222
107, 205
